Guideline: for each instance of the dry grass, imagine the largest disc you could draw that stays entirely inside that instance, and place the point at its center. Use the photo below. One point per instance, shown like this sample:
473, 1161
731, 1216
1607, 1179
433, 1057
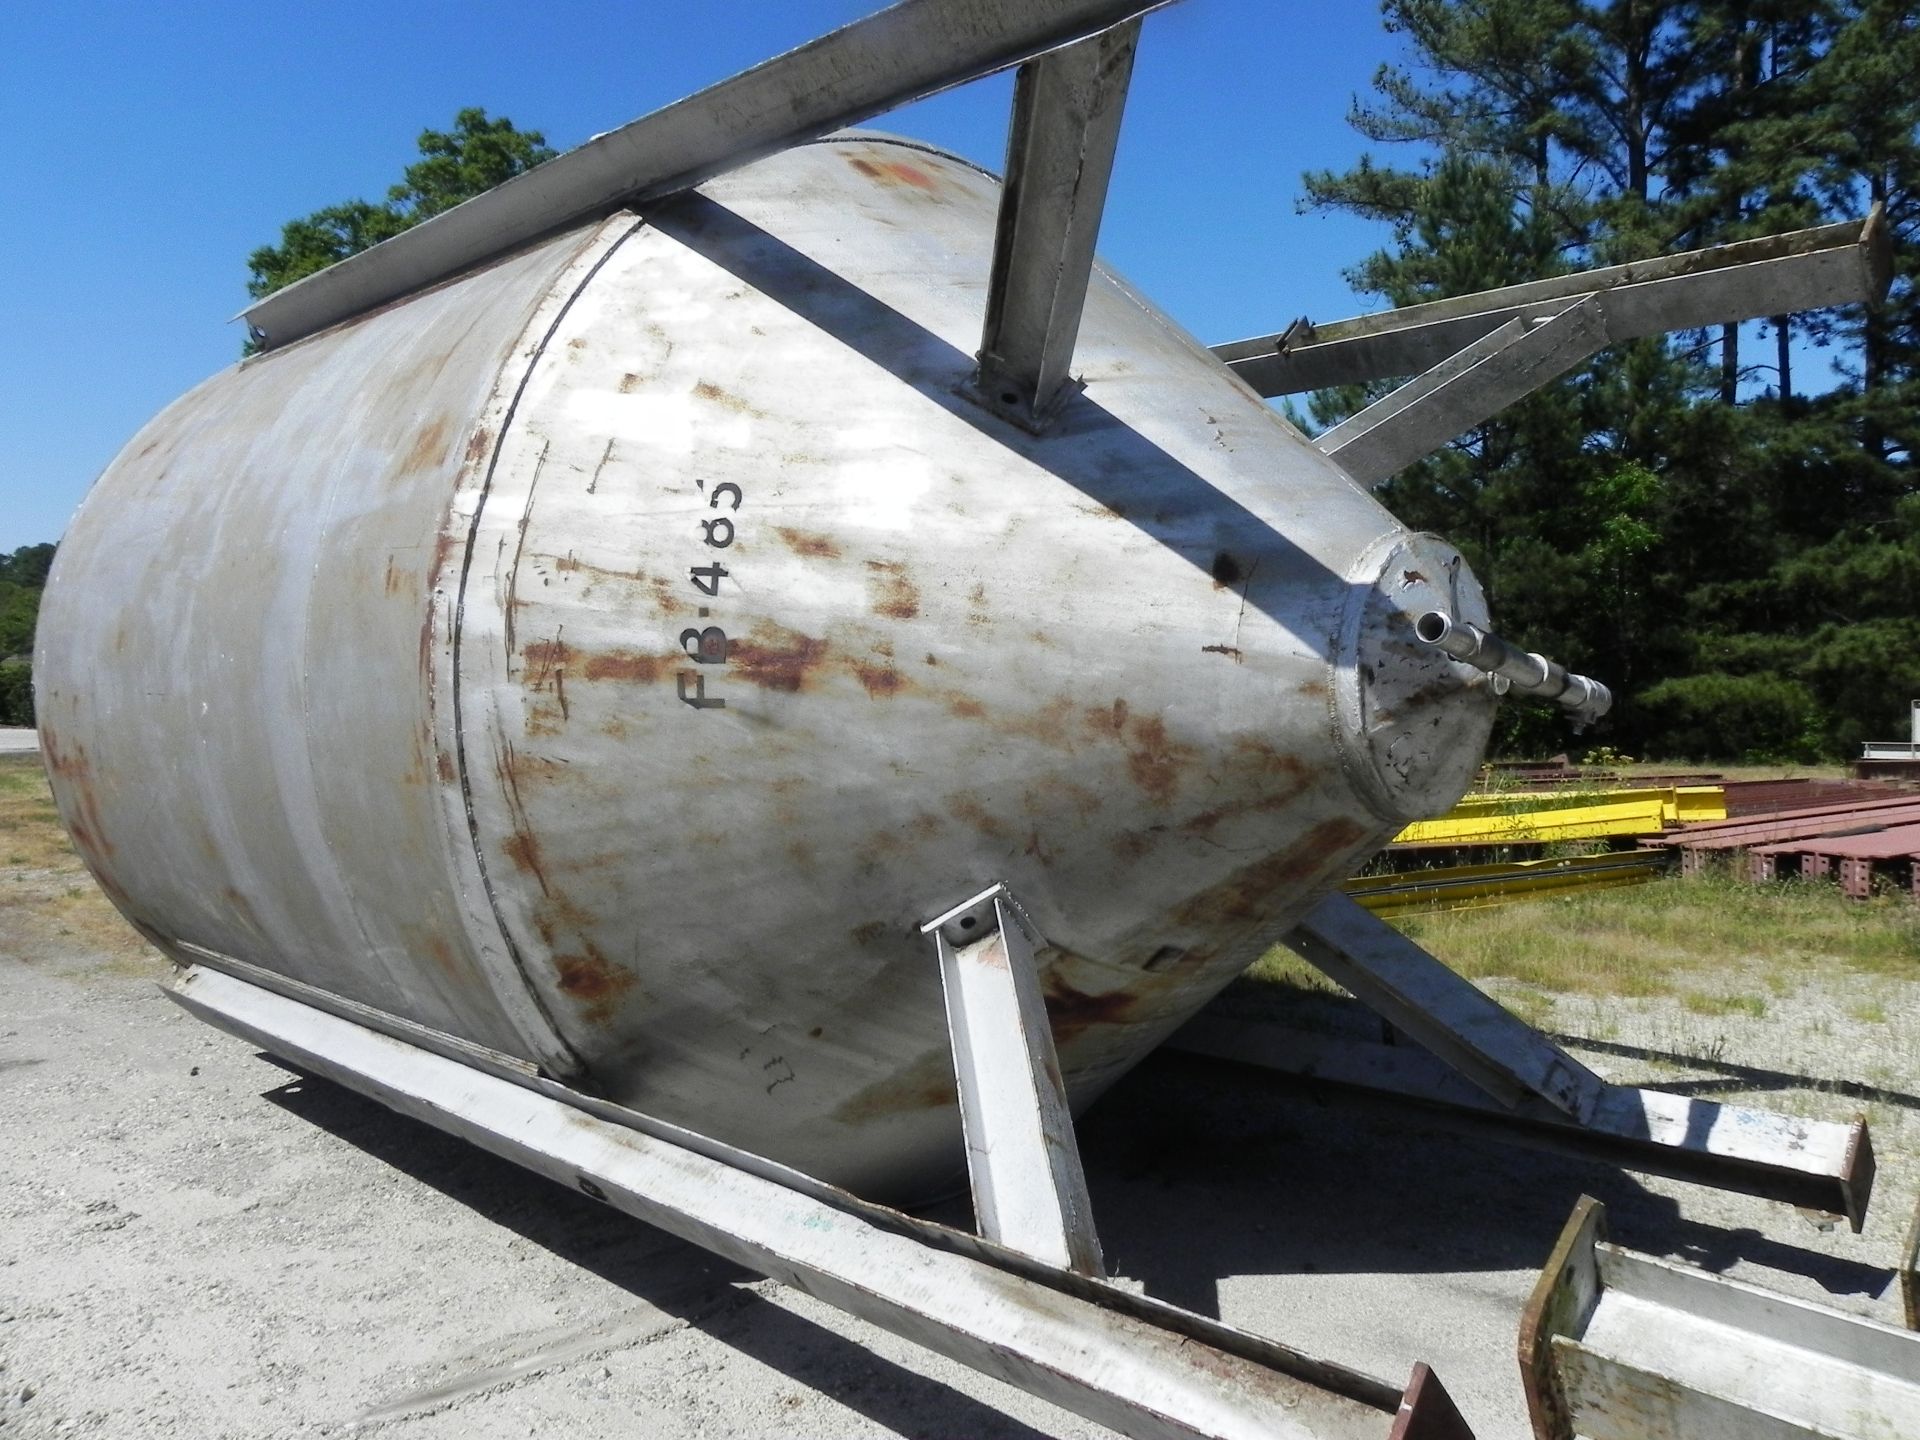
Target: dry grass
48, 901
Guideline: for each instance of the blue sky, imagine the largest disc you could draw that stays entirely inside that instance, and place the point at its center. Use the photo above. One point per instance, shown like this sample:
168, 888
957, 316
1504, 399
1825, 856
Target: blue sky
154, 146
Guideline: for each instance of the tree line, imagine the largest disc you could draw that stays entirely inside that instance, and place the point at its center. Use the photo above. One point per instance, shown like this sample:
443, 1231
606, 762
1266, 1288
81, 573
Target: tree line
1728, 534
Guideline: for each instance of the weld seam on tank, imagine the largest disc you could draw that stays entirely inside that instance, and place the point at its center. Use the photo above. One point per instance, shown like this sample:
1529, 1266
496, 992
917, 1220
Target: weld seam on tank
554, 1042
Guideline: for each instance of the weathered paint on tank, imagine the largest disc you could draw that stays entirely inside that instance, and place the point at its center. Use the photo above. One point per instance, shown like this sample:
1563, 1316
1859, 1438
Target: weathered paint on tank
613, 656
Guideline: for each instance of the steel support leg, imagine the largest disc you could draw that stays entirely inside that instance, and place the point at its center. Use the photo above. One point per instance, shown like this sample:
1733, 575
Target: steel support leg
1029, 1191
1815, 1164
1450, 1016
1060, 147
1134, 1364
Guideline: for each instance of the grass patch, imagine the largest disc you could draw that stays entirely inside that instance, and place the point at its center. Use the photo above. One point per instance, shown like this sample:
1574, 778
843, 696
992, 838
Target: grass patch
1674, 937
30, 833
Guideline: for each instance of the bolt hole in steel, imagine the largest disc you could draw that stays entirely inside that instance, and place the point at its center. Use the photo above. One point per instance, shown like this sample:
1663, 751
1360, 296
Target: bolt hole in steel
967, 922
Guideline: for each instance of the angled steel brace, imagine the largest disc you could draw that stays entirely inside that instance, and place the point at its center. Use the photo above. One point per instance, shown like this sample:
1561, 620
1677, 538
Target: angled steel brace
1842, 264
1029, 1191
1060, 146
904, 53
1450, 1016
1137, 1365
1814, 1164
1466, 388
1616, 1345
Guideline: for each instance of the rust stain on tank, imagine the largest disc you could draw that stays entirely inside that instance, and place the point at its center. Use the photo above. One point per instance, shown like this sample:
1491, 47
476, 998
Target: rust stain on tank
443, 764
442, 955
1314, 690
1248, 893
429, 447
871, 933
806, 542
1073, 1012
726, 399
630, 665
926, 1084
966, 707
982, 819
594, 980
523, 849
894, 172
892, 593
880, 681
1153, 761
776, 658
477, 444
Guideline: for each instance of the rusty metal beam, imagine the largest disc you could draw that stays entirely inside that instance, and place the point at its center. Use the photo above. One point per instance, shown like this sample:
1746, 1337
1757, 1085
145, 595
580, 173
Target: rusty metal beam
1840, 264
904, 53
1060, 147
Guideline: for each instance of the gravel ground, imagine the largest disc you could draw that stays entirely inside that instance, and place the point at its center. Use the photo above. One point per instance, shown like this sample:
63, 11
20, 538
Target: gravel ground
196, 1242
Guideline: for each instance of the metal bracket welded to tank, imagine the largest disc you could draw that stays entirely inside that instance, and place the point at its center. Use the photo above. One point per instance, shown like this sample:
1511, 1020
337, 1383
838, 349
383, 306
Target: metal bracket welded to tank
1477, 1068
1060, 147
1124, 1360
1618, 1345
1023, 1162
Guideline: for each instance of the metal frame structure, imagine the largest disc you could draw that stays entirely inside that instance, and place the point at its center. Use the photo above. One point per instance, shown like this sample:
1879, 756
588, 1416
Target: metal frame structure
1617, 1345
1481, 1068
1137, 1365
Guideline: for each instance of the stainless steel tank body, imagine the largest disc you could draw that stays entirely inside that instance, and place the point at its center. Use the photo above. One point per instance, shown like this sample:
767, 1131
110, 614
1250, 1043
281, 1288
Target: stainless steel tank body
611, 656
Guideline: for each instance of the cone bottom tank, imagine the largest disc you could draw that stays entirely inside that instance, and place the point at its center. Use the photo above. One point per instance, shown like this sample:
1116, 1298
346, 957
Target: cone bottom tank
613, 656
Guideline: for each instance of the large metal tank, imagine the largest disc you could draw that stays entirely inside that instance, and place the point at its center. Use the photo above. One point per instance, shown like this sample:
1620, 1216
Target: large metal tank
611, 657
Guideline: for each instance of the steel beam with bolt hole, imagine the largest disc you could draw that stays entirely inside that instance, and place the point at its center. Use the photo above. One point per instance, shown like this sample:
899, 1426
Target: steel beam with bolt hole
1815, 1164
1023, 1162
904, 53
1136, 1365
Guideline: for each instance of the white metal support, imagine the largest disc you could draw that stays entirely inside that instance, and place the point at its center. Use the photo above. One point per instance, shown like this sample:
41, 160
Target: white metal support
1449, 1015
1466, 388
1616, 1345
1029, 1190
1814, 1164
1840, 264
1134, 1364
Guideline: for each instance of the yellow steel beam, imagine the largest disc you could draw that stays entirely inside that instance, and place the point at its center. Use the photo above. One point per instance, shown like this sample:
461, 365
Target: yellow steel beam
1541, 816
1464, 887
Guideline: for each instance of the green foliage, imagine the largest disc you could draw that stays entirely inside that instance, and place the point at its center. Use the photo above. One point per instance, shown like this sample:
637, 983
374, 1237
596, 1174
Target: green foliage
22, 576
455, 165
1745, 576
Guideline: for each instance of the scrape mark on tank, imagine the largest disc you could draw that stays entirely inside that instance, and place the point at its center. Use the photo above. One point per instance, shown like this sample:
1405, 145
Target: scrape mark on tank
1073, 1012
523, 849
871, 933
1232, 652
892, 594
805, 542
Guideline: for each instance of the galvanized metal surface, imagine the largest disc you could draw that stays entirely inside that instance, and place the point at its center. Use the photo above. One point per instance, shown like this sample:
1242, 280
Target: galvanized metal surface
1060, 147
613, 656
1838, 264
1023, 1162
911, 50
1617, 1345
1136, 1365
1810, 1163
